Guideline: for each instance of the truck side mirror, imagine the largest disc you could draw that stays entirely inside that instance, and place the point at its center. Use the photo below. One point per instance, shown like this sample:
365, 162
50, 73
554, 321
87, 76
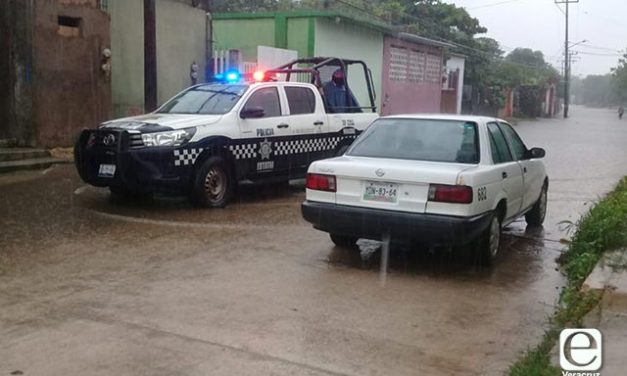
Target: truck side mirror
252, 113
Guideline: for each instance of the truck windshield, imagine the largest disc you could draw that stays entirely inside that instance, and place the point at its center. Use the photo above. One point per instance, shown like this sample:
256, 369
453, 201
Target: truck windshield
419, 139
212, 99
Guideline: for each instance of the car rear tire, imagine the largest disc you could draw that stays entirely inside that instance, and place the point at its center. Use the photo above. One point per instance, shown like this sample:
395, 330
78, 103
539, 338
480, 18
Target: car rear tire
489, 241
213, 184
343, 241
535, 217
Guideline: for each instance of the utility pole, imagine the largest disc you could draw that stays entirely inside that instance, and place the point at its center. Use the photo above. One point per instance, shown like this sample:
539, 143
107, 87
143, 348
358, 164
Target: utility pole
150, 56
209, 68
567, 59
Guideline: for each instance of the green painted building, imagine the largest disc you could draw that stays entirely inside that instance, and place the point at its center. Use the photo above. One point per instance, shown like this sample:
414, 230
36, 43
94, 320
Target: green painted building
308, 33
400, 63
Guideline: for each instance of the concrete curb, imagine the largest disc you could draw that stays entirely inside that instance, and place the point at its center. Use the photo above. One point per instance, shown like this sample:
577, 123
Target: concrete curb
610, 278
30, 164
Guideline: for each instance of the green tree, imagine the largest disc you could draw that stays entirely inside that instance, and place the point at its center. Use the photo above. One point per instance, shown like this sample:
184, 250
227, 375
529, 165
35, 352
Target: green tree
486, 69
619, 80
528, 67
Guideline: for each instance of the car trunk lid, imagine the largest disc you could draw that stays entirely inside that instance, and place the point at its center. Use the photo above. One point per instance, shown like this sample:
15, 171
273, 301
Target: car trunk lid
391, 184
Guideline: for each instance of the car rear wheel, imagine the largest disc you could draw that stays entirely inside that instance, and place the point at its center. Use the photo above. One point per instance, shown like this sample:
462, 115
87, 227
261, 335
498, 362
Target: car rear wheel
489, 242
535, 217
343, 240
213, 184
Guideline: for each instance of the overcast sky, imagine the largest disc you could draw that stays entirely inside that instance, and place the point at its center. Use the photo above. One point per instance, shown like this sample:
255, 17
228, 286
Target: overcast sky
539, 24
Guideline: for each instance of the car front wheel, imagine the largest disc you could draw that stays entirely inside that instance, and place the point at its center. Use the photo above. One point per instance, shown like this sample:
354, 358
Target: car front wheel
535, 217
213, 184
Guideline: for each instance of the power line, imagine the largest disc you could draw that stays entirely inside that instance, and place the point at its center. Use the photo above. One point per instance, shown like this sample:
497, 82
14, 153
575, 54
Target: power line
599, 47
599, 54
560, 9
492, 5
476, 52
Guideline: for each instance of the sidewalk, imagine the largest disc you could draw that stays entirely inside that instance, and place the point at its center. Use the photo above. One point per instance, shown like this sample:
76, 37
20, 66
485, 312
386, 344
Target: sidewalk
609, 278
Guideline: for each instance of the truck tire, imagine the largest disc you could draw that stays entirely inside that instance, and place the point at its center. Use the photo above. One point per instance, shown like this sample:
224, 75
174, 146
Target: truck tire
343, 241
213, 184
535, 217
488, 243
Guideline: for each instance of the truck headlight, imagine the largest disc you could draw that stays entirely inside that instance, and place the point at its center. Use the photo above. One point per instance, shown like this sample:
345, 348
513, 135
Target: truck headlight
169, 138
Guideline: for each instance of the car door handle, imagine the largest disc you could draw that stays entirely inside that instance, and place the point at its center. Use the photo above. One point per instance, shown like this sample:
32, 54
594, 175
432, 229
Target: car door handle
318, 123
282, 125
525, 170
504, 175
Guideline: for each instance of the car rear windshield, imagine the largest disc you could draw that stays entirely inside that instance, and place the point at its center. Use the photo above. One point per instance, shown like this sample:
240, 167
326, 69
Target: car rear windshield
205, 99
419, 139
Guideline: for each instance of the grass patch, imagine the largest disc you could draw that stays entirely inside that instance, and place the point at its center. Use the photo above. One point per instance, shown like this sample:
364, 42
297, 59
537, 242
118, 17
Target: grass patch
603, 228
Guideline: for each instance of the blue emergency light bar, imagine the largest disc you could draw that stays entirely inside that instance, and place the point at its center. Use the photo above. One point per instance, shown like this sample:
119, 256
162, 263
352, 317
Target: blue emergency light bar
230, 77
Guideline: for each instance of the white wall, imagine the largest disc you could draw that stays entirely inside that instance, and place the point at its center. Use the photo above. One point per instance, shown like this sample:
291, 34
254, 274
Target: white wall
347, 40
181, 40
452, 64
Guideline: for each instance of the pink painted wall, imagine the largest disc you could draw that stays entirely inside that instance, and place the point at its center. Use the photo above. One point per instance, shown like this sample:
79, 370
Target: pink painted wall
418, 91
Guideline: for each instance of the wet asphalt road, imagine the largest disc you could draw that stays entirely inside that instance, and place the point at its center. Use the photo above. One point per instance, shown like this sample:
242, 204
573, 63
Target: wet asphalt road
94, 286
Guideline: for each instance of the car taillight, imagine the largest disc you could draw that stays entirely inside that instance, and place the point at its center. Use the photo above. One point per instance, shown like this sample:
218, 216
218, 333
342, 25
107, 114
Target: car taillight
459, 194
321, 182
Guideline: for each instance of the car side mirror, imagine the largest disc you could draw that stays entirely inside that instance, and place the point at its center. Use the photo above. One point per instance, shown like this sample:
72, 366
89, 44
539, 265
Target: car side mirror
252, 113
536, 153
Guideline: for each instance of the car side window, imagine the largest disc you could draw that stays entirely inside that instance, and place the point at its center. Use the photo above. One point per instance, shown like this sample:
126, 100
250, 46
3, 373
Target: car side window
518, 147
266, 98
301, 100
498, 144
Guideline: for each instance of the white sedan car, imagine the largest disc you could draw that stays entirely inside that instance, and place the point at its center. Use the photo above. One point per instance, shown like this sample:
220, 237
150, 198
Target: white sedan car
439, 180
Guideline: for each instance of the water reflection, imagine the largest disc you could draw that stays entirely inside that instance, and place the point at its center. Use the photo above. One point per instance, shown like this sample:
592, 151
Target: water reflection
520, 260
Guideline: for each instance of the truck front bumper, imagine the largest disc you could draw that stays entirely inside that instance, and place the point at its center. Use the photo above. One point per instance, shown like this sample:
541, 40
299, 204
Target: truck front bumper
140, 169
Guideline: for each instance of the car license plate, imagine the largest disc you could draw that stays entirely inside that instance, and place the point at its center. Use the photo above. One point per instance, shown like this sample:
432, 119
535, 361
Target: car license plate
106, 170
380, 191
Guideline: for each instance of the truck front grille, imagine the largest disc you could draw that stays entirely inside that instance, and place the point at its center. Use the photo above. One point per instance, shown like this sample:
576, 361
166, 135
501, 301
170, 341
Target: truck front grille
135, 141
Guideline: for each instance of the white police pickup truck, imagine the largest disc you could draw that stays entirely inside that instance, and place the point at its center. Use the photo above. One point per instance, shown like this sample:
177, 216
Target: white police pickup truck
210, 136
436, 180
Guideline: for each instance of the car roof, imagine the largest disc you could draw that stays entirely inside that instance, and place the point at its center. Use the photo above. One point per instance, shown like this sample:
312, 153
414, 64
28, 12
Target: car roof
472, 118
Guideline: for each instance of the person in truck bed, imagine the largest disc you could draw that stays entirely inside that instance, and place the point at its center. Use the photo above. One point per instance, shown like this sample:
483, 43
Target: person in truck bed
337, 98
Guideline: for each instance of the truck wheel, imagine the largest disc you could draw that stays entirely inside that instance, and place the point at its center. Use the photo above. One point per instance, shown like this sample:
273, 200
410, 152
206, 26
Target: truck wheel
343, 240
489, 241
535, 217
213, 184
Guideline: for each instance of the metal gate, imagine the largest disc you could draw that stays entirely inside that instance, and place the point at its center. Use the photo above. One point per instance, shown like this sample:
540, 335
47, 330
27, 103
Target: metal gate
412, 78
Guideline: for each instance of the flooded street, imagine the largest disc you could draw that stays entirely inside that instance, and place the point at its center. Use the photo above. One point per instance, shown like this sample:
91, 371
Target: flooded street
95, 286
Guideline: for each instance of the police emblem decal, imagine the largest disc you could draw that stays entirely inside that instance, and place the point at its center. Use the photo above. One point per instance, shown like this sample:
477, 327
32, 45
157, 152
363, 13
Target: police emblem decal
265, 149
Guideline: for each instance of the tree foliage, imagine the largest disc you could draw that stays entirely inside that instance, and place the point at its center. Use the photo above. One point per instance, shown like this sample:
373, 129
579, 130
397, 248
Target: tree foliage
606, 90
619, 80
487, 70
